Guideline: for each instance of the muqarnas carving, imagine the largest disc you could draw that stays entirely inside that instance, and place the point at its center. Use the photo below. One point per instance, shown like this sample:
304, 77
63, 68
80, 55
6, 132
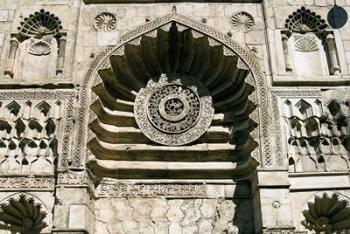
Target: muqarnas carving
308, 48
28, 137
22, 214
327, 214
171, 104
316, 141
39, 43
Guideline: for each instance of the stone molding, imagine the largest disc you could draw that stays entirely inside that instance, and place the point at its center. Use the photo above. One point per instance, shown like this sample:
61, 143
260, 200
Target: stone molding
21, 183
120, 190
73, 179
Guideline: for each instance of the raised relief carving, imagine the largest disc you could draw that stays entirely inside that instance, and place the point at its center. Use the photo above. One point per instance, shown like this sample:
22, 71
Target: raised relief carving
308, 48
105, 21
22, 214
108, 188
40, 48
158, 97
313, 142
242, 21
176, 110
306, 44
22, 183
327, 214
28, 131
303, 20
39, 42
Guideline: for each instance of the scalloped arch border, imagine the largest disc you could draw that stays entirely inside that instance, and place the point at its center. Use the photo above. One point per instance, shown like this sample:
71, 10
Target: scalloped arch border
37, 200
256, 79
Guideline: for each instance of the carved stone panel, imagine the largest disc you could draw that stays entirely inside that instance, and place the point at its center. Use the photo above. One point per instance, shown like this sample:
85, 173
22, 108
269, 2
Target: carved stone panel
312, 141
175, 110
34, 132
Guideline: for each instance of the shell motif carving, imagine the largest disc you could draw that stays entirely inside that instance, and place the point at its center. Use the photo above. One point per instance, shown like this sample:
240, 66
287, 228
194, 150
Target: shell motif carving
303, 20
22, 215
306, 45
40, 48
327, 214
40, 24
105, 21
242, 21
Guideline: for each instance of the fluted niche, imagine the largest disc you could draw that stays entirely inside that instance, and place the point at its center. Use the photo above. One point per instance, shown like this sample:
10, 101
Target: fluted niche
309, 49
22, 214
39, 43
173, 103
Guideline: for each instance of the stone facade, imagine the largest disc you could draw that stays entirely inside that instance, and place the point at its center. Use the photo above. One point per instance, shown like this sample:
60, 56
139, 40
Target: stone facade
174, 117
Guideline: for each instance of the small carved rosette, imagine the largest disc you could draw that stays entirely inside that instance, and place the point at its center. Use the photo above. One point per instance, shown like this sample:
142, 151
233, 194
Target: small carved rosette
174, 110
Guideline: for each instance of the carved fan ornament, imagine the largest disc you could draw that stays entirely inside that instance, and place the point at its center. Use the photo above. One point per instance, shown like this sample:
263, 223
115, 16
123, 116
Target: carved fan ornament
23, 215
306, 44
156, 103
40, 24
242, 21
40, 48
105, 21
303, 20
327, 214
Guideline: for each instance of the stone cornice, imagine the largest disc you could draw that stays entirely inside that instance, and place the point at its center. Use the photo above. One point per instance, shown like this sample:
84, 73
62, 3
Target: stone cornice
166, 1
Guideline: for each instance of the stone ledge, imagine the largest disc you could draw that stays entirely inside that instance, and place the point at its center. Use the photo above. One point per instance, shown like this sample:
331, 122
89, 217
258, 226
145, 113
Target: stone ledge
165, 1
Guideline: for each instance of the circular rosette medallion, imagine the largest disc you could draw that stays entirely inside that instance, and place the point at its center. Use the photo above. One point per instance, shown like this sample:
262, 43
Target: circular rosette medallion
174, 110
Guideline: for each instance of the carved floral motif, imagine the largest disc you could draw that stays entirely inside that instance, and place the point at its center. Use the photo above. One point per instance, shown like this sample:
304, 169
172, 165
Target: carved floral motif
105, 21
242, 21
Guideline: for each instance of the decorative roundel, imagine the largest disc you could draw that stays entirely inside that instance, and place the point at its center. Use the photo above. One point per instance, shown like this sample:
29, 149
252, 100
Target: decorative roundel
174, 110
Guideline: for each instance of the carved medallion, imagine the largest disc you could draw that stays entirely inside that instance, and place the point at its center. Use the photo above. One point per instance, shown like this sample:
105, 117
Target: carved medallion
105, 21
242, 21
174, 110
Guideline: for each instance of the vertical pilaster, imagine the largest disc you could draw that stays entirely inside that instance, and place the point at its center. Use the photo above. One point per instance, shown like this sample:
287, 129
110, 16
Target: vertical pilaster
332, 54
14, 43
271, 199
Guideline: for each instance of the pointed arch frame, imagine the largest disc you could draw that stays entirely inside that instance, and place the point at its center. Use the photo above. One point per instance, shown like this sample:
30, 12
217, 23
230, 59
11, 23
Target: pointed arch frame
256, 78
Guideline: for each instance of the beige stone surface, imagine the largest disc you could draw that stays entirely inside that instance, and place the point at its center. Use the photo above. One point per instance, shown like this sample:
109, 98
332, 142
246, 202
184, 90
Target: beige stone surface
70, 145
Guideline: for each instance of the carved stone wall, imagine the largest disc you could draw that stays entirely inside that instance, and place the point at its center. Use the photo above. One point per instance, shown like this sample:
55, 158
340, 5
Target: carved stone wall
174, 117
160, 215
